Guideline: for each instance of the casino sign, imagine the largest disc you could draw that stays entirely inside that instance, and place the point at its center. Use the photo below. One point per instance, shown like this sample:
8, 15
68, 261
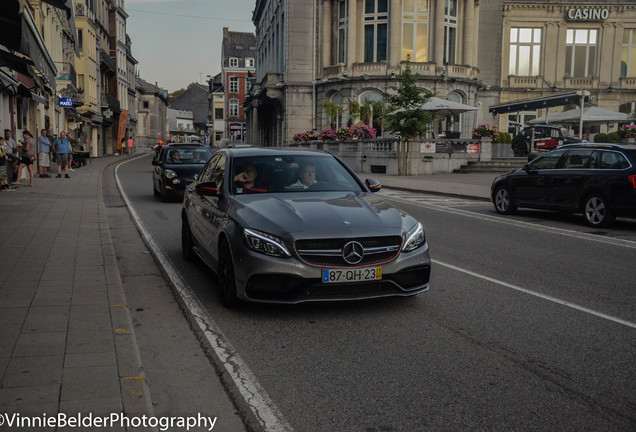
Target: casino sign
587, 14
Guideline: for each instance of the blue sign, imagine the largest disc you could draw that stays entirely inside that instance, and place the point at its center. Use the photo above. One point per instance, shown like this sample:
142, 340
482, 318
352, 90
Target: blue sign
66, 102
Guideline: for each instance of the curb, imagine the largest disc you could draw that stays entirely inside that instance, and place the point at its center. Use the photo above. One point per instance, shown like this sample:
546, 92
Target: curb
135, 393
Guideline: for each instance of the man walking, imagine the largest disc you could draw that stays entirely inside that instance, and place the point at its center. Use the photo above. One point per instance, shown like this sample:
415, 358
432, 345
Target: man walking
129, 145
12, 154
44, 159
62, 148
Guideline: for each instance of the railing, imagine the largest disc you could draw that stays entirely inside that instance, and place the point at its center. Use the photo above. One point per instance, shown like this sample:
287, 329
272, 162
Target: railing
67, 73
425, 69
333, 71
370, 68
110, 101
106, 60
628, 83
581, 83
524, 82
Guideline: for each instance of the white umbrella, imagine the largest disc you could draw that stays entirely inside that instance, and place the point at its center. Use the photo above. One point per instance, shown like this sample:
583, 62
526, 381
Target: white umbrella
438, 107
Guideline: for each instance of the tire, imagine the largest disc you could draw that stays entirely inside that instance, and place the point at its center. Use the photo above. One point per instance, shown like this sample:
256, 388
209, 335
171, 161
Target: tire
227, 279
155, 192
187, 243
596, 211
503, 201
519, 149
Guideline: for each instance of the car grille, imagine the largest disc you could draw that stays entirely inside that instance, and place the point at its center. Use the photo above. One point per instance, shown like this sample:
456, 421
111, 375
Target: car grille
328, 252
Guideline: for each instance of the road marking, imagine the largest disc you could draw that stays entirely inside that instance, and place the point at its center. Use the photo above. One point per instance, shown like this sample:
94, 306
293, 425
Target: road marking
499, 219
539, 295
268, 415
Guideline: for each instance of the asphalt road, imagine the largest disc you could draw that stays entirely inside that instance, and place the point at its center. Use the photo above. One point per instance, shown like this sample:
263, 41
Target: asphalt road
530, 324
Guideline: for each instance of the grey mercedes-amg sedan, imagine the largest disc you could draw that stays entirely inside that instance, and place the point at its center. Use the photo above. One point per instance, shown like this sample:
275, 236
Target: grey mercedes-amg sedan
281, 225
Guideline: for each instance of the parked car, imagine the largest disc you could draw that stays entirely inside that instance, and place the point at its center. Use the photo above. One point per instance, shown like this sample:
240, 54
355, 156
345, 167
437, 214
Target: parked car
598, 180
282, 225
175, 167
546, 138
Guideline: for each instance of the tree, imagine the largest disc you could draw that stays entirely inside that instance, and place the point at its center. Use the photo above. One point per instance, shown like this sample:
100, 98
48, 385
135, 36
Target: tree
406, 118
332, 111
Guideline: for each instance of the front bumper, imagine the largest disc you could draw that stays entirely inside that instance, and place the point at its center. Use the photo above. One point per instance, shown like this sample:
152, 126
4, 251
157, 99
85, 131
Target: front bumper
265, 279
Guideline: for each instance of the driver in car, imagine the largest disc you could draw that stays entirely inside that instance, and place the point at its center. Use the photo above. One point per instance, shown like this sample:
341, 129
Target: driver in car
307, 176
176, 157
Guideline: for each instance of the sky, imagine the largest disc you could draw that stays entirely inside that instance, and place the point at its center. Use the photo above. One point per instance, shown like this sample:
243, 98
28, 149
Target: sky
178, 42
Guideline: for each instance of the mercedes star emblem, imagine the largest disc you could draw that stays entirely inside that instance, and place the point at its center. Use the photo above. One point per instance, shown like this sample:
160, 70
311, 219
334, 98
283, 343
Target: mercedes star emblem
353, 252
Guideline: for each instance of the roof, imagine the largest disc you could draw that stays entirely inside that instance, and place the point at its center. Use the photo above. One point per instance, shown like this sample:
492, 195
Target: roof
238, 44
540, 102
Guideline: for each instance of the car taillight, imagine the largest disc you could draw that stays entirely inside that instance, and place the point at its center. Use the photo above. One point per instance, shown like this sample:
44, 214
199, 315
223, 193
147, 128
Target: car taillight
632, 181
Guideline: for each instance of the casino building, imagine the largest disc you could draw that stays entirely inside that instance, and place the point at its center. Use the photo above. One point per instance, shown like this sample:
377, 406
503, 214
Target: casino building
551, 47
312, 55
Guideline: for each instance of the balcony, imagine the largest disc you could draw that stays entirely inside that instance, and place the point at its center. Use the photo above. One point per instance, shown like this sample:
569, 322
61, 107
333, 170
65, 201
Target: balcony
370, 69
67, 74
423, 69
525, 82
628, 83
580, 83
110, 101
333, 71
81, 10
107, 61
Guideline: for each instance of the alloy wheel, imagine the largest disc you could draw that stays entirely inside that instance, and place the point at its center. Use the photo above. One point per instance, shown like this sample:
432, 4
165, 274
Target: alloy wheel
503, 201
596, 212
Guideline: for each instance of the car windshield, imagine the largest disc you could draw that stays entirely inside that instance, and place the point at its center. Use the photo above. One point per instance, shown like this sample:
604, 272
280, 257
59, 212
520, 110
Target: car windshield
290, 173
188, 155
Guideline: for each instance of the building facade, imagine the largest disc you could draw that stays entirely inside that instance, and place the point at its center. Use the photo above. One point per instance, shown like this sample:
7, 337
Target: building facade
238, 64
153, 123
352, 51
553, 47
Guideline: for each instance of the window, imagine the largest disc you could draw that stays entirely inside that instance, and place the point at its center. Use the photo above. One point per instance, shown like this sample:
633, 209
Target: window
80, 81
234, 84
549, 161
415, 30
450, 31
218, 136
218, 113
343, 22
614, 160
525, 51
234, 108
376, 17
233, 62
248, 86
580, 52
80, 39
628, 57
146, 104
249, 62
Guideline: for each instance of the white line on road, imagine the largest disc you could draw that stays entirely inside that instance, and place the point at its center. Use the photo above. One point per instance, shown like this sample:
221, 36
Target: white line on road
499, 219
539, 295
258, 400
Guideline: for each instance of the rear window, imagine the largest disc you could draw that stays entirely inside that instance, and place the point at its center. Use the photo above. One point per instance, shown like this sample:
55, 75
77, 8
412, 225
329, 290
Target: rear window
613, 160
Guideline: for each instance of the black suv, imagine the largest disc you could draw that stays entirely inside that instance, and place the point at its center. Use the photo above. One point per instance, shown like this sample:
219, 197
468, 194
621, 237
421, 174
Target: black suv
598, 180
546, 138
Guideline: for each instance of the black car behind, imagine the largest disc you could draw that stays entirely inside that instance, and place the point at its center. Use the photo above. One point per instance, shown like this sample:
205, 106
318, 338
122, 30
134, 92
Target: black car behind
175, 167
597, 180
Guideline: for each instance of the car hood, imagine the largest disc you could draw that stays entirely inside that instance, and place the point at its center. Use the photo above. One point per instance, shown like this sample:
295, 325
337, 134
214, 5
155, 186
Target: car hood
339, 213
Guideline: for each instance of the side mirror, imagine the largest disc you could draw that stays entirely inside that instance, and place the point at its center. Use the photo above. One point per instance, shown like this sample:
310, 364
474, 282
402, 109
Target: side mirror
207, 189
373, 185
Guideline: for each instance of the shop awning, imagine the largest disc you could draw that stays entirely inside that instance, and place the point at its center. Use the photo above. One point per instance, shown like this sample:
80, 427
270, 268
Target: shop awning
568, 98
8, 83
20, 35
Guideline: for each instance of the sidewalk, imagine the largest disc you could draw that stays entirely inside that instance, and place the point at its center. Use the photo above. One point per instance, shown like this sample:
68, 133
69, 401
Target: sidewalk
67, 342
458, 185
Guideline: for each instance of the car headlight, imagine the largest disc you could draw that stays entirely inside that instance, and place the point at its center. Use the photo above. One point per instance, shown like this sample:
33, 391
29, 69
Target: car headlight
170, 174
414, 238
266, 244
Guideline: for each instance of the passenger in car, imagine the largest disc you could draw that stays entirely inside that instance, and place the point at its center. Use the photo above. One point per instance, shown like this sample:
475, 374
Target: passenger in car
246, 180
307, 176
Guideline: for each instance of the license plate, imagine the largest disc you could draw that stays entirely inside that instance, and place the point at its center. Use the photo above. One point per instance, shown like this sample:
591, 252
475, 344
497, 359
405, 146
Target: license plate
351, 275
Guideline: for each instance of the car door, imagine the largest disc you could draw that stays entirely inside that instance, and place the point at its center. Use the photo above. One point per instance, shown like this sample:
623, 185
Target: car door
530, 186
210, 210
195, 206
566, 183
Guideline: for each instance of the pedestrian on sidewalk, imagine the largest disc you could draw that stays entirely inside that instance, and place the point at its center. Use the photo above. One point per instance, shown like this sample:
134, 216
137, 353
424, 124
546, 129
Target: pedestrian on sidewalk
13, 154
4, 150
129, 145
123, 146
44, 158
62, 148
28, 157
